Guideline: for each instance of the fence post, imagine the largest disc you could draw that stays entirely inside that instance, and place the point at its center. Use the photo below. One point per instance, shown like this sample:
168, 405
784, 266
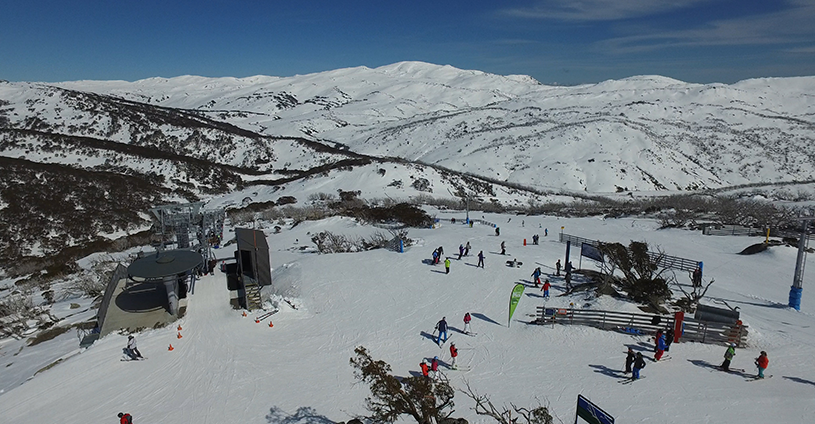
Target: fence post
604, 320
704, 331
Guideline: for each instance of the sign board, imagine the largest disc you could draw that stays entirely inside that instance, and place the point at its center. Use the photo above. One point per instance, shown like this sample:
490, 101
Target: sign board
591, 413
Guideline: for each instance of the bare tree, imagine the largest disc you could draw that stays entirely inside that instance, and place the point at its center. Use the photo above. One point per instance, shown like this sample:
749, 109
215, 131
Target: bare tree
428, 402
690, 299
511, 415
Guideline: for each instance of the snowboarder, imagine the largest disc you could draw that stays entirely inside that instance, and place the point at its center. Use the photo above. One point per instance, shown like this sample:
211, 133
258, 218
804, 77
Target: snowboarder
442, 327
537, 276
629, 360
467, 320
434, 366
125, 418
497, 231
467, 249
460, 251
557, 268
480, 259
425, 370
503, 248
660, 345
545, 288
762, 362
454, 354
728, 356
639, 363
446, 265
132, 350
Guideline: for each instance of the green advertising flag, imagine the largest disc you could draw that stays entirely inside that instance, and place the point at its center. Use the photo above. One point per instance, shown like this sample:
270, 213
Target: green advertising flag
517, 291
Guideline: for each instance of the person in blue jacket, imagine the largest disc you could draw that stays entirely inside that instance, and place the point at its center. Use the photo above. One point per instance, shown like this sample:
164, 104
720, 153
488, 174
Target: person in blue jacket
660, 346
441, 326
537, 276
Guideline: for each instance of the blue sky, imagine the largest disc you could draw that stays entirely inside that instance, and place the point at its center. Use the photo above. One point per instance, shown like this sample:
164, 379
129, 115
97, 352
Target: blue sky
555, 41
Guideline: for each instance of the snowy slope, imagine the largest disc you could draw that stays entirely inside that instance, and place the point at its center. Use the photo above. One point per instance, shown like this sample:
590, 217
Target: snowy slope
226, 368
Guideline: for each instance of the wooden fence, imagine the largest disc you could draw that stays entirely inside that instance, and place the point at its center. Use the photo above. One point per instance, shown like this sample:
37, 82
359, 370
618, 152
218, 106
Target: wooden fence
665, 261
644, 324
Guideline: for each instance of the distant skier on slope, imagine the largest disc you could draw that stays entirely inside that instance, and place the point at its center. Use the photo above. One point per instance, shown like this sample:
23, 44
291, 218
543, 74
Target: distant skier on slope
425, 370
453, 354
537, 276
639, 363
728, 356
446, 265
557, 268
545, 288
762, 362
480, 259
629, 360
669, 338
434, 366
441, 326
467, 320
460, 251
125, 418
497, 231
435, 257
467, 249
503, 248
660, 345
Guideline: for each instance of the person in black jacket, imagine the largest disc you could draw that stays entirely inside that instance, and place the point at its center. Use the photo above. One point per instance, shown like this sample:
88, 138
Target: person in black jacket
639, 364
629, 360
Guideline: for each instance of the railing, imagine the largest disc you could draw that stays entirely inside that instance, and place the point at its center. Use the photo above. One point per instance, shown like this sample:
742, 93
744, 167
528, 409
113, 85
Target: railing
732, 230
644, 324
662, 260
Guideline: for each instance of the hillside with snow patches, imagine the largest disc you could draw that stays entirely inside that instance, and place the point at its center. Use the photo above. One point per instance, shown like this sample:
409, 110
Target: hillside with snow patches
229, 369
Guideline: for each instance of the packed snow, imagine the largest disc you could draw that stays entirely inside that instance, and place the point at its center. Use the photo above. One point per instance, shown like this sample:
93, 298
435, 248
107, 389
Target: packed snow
228, 369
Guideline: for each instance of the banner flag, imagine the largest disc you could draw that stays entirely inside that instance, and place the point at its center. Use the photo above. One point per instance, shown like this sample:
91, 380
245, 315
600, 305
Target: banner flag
591, 252
591, 413
517, 292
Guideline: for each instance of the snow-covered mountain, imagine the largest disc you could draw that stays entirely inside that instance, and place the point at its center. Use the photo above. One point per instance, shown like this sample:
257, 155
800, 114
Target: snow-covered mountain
396, 131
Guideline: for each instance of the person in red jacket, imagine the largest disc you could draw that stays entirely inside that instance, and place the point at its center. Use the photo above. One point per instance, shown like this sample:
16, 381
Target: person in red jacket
434, 366
425, 370
454, 354
125, 418
546, 287
762, 362
467, 320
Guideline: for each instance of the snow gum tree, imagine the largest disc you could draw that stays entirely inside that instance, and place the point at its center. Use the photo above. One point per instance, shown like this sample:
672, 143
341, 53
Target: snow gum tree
643, 279
426, 401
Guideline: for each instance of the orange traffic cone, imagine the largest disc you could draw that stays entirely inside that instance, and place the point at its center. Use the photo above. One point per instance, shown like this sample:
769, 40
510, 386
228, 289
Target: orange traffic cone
179, 334
270, 324
524, 242
170, 348
179, 327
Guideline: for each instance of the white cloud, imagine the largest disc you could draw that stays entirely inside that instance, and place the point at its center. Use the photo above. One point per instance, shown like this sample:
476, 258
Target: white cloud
791, 25
596, 10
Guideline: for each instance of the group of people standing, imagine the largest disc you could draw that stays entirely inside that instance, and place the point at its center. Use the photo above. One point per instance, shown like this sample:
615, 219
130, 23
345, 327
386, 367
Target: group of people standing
441, 328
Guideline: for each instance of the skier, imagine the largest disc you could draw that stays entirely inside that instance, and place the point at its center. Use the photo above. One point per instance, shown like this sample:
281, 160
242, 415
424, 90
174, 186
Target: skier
446, 265
441, 251
557, 268
125, 418
660, 345
454, 354
639, 363
545, 288
728, 356
460, 251
669, 338
535, 239
467, 249
697, 277
537, 276
546, 232
467, 320
442, 327
503, 248
569, 268
497, 231
762, 362
434, 366
132, 350
629, 360
480, 259
435, 257
423, 366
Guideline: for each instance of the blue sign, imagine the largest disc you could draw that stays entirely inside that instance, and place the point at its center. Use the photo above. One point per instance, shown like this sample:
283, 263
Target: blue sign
591, 413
